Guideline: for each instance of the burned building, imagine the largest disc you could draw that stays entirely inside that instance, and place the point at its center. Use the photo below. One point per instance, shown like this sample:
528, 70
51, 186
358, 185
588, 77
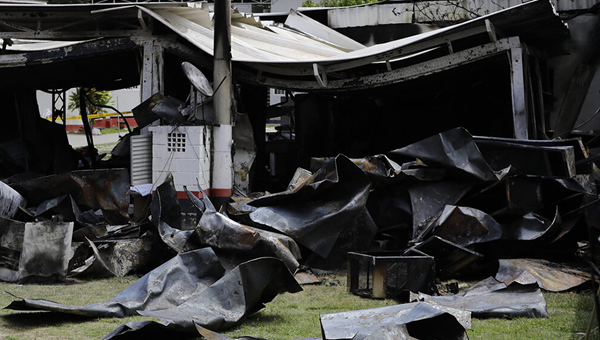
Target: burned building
449, 135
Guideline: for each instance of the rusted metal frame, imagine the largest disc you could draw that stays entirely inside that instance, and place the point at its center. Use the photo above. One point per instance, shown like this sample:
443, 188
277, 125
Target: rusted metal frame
383, 79
387, 56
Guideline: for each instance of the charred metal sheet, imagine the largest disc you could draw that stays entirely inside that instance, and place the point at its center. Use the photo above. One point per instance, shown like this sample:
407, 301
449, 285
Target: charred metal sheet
242, 242
511, 195
63, 205
465, 226
306, 277
450, 257
579, 150
388, 332
428, 200
191, 288
391, 210
165, 205
541, 158
105, 189
11, 246
383, 171
244, 154
189, 273
379, 168
454, 150
10, 201
249, 286
491, 298
533, 227
233, 241
554, 277
422, 320
156, 107
120, 258
216, 312
300, 176
34, 250
316, 213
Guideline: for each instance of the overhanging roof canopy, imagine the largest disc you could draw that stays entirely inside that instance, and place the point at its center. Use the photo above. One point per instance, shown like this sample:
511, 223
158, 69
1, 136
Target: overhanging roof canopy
301, 55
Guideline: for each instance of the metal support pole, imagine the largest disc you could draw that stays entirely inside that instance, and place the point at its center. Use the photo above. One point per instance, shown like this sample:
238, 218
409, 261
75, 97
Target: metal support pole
519, 97
222, 170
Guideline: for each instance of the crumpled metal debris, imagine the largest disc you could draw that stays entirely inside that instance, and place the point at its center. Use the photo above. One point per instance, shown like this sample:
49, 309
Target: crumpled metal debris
10, 201
454, 150
492, 298
318, 212
119, 258
156, 107
465, 226
105, 189
428, 200
422, 320
234, 242
548, 275
192, 288
529, 157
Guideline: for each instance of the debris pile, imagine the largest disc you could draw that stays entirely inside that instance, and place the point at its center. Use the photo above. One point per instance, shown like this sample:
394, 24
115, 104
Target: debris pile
451, 206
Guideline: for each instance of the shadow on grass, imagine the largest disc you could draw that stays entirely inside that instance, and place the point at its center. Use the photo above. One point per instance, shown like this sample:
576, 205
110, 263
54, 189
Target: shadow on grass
261, 319
32, 320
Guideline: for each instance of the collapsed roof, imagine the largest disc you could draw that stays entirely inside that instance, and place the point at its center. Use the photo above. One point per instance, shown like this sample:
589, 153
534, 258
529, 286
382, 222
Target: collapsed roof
300, 55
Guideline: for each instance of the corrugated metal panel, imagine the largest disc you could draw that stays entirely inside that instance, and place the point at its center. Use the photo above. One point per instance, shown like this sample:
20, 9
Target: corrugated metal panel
310, 26
263, 47
141, 159
247, 42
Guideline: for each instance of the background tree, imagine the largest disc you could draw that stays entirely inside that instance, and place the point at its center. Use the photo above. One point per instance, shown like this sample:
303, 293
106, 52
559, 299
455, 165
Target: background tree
96, 97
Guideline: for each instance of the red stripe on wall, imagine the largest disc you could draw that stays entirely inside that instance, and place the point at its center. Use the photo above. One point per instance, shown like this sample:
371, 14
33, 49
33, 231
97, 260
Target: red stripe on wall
199, 194
221, 192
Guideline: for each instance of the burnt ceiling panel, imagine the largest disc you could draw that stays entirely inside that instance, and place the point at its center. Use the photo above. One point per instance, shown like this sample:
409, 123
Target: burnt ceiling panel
105, 64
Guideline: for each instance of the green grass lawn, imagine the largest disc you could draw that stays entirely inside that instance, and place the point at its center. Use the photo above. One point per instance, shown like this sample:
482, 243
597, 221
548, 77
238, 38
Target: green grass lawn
288, 316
